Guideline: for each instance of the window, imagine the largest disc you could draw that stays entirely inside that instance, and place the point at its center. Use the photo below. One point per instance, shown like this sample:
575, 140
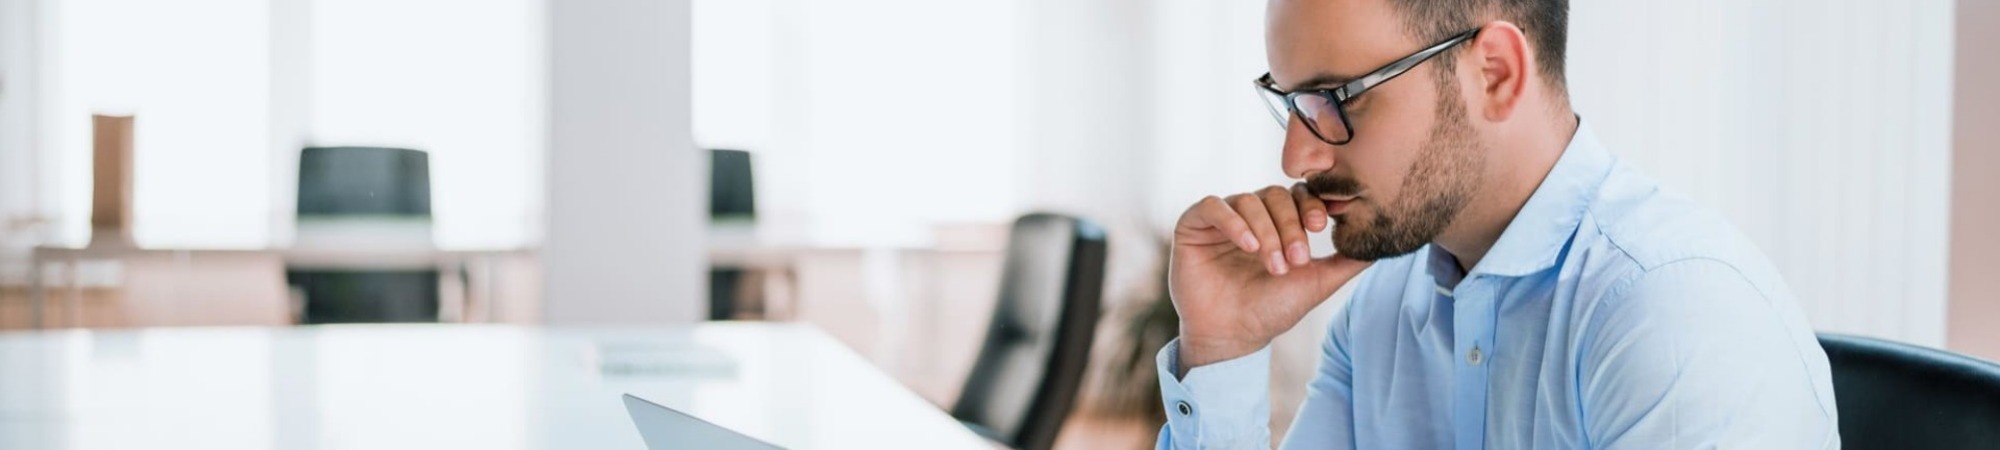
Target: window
227, 91
197, 76
870, 120
462, 81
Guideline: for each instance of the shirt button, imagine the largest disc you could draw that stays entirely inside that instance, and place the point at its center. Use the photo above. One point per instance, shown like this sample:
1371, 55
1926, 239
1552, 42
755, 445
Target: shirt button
1184, 408
1475, 356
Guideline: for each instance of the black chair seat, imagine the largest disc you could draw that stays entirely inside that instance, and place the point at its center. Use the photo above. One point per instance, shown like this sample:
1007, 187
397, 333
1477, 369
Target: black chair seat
367, 296
1900, 396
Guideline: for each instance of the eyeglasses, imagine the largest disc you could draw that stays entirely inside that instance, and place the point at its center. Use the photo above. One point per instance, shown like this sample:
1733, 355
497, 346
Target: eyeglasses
1325, 110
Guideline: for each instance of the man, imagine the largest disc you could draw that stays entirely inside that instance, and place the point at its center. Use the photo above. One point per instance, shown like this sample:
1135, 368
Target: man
1527, 289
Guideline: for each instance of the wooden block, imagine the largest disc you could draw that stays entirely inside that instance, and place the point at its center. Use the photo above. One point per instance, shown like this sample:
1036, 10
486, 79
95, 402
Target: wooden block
111, 179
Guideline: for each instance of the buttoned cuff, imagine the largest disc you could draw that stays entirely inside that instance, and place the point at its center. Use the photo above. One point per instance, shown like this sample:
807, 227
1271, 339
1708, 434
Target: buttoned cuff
1222, 405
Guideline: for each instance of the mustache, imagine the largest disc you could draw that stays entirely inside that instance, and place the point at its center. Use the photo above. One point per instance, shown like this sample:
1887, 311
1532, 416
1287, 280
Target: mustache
1329, 184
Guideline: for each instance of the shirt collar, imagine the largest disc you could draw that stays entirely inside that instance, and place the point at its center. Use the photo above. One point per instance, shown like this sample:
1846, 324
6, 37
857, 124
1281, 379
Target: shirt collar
1533, 240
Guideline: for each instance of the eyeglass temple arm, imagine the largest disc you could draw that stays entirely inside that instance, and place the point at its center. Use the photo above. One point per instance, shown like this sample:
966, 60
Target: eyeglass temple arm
1394, 69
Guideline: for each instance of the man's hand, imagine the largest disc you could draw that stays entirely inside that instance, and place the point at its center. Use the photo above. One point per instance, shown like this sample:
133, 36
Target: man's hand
1241, 272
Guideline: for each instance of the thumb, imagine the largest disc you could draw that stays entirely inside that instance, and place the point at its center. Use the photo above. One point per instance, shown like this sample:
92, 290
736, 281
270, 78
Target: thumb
1335, 271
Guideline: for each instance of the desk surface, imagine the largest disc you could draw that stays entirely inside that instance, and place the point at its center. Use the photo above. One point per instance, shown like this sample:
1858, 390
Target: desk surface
311, 256
447, 386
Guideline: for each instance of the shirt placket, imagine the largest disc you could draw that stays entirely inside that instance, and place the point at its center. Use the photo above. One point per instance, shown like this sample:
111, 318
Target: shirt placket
1472, 335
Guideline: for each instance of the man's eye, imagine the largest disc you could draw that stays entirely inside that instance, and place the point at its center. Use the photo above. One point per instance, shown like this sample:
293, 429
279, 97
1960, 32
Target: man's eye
1356, 105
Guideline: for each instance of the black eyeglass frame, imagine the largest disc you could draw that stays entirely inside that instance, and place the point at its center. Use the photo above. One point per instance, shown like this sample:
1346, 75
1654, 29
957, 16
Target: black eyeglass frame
1339, 95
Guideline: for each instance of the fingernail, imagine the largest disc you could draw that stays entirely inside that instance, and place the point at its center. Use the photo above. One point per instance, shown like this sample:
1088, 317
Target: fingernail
1278, 260
1248, 240
1297, 254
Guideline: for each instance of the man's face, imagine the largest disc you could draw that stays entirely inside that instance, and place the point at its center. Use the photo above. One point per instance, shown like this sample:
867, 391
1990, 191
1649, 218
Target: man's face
1414, 159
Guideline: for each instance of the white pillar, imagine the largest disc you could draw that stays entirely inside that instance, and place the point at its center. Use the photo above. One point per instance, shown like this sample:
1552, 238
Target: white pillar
19, 48
626, 188
290, 110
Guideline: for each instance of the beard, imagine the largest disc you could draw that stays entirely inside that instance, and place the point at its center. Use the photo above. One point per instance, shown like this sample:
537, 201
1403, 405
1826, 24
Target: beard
1439, 184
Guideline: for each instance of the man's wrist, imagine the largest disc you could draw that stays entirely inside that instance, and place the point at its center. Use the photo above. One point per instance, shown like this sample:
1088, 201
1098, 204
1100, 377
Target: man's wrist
1197, 351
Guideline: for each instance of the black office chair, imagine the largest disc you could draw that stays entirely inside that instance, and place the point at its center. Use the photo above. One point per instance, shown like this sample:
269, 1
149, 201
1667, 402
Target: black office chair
1025, 380
364, 183
1900, 396
731, 197
732, 194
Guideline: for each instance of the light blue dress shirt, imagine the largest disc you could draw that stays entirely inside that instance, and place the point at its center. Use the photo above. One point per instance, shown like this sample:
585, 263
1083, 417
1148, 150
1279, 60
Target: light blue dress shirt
1610, 314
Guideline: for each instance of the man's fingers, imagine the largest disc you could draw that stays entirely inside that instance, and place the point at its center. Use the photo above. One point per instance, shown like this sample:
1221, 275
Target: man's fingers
1312, 211
1269, 248
1285, 215
1212, 214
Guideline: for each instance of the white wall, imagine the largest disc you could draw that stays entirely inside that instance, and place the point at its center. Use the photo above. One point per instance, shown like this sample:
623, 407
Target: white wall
1210, 134
626, 188
1821, 128
1082, 110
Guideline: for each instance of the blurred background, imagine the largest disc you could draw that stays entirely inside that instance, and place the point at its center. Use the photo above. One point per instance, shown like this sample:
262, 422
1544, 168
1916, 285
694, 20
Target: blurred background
857, 165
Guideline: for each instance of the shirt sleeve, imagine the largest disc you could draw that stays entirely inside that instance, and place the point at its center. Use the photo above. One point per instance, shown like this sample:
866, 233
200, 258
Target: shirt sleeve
1326, 417
1227, 405
1693, 355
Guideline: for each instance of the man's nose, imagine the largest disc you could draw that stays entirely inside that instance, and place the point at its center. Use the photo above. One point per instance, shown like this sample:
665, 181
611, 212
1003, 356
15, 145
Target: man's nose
1304, 153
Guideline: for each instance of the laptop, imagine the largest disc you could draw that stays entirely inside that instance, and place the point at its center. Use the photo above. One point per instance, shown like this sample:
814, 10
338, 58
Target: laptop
665, 428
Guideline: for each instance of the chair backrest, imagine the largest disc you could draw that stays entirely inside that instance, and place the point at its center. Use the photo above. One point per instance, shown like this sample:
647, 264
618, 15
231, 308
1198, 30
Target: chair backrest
372, 184
1025, 381
731, 190
732, 202
1901, 396
365, 181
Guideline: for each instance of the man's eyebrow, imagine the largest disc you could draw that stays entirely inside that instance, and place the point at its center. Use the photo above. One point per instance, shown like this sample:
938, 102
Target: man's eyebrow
1321, 81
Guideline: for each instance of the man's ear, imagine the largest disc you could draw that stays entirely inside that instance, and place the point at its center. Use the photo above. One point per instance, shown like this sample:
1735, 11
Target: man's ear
1501, 54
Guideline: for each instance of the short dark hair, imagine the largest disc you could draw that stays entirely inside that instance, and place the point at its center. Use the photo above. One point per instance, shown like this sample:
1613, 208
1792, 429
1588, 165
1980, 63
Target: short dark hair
1545, 22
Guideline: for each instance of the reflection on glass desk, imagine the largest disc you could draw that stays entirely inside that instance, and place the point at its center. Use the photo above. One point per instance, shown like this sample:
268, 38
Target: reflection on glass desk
447, 386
